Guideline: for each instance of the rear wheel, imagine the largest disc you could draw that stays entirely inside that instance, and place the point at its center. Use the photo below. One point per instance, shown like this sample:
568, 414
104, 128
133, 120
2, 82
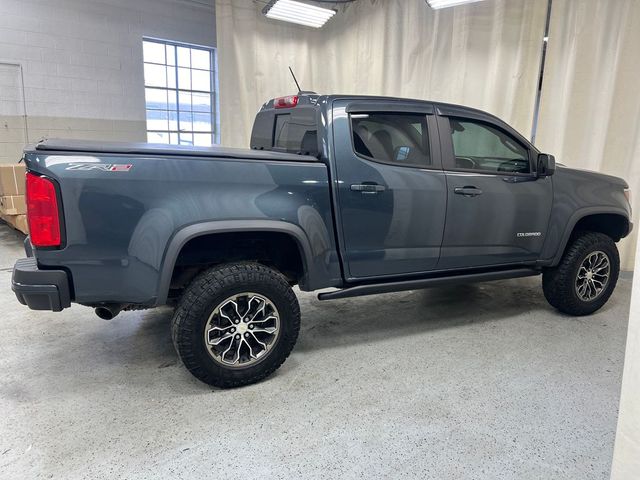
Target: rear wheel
586, 276
236, 324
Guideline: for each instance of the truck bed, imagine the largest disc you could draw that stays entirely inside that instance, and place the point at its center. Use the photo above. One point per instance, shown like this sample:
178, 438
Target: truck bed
124, 204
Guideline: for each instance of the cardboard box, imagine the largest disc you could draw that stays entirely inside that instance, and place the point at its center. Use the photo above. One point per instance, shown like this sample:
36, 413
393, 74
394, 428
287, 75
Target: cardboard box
19, 222
13, 205
12, 180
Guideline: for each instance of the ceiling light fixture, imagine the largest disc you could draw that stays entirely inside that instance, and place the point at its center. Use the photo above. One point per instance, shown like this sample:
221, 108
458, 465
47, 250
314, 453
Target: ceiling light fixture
298, 12
437, 4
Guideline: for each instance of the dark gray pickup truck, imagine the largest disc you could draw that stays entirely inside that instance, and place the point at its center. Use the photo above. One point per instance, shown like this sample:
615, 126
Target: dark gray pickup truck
363, 195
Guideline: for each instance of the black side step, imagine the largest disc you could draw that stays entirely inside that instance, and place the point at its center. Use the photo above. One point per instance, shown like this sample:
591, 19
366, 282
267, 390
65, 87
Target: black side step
399, 286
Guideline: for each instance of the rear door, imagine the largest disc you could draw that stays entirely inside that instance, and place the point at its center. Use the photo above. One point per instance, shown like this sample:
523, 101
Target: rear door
497, 209
391, 190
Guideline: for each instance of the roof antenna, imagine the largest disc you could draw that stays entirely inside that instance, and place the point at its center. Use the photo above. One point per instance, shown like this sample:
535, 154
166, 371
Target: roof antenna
300, 91
295, 80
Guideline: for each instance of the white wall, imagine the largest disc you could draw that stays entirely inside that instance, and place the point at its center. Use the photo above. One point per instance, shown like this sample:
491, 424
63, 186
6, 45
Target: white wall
82, 64
626, 455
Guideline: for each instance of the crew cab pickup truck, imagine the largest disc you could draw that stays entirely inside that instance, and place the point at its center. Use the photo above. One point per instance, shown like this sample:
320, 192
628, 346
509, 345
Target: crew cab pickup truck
350, 194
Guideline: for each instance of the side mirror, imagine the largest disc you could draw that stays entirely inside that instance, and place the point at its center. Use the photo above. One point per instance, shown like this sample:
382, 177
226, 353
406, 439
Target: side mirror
546, 165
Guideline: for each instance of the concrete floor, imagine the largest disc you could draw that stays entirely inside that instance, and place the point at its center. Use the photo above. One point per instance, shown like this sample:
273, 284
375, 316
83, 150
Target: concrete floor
473, 382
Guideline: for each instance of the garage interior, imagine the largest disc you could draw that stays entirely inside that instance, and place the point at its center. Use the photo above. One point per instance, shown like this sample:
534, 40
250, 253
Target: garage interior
478, 381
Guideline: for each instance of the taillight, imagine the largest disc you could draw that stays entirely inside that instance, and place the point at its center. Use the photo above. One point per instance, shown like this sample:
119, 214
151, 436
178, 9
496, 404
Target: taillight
42, 212
285, 102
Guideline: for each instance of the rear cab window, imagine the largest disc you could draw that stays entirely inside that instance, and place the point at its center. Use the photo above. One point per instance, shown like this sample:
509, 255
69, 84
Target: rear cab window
290, 130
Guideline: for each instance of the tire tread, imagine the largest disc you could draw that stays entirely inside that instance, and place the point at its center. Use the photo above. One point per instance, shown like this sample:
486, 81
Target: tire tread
198, 295
558, 282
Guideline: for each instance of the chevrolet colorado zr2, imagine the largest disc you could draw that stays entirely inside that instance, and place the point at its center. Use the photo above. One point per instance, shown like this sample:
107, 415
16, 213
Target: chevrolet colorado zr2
361, 194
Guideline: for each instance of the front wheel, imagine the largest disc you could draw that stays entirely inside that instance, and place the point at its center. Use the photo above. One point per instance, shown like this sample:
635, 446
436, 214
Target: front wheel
586, 276
236, 324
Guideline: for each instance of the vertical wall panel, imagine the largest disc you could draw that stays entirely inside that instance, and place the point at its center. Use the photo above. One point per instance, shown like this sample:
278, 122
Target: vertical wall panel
13, 127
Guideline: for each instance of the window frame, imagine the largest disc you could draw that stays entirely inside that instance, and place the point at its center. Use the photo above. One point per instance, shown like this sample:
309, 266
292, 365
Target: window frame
431, 137
446, 137
214, 111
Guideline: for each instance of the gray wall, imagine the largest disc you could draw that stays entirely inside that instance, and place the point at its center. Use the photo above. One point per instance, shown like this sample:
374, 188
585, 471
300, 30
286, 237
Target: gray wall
82, 65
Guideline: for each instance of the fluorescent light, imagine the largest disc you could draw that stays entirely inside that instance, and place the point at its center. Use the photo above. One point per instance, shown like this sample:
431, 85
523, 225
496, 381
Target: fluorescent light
298, 12
436, 4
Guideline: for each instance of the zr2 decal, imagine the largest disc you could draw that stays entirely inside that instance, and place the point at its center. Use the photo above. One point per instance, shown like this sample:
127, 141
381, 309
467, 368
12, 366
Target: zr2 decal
103, 167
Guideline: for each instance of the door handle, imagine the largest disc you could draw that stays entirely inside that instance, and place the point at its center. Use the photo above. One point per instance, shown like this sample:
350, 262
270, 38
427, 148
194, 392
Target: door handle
367, 188
468, 191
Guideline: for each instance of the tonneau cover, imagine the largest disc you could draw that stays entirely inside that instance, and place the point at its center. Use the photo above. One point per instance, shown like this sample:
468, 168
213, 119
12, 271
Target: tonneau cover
132, 148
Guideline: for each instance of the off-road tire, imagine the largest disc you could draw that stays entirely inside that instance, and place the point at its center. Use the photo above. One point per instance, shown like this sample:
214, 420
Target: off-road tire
558, 283
205, 293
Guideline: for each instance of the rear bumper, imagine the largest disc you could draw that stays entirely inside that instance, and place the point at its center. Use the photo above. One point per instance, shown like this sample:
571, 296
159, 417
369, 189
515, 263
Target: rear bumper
40, 289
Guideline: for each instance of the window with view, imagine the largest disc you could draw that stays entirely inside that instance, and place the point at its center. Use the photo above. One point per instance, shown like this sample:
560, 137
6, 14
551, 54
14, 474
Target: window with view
483, 148
180, 93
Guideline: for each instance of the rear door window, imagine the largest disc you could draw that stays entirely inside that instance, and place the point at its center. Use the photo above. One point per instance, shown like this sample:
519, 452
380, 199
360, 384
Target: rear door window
396, 138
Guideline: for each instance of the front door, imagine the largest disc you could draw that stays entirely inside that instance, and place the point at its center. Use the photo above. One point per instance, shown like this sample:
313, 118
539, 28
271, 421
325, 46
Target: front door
391, 190
497, 209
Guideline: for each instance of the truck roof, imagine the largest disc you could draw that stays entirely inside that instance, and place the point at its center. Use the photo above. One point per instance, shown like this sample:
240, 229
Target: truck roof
312, 98
51, 145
